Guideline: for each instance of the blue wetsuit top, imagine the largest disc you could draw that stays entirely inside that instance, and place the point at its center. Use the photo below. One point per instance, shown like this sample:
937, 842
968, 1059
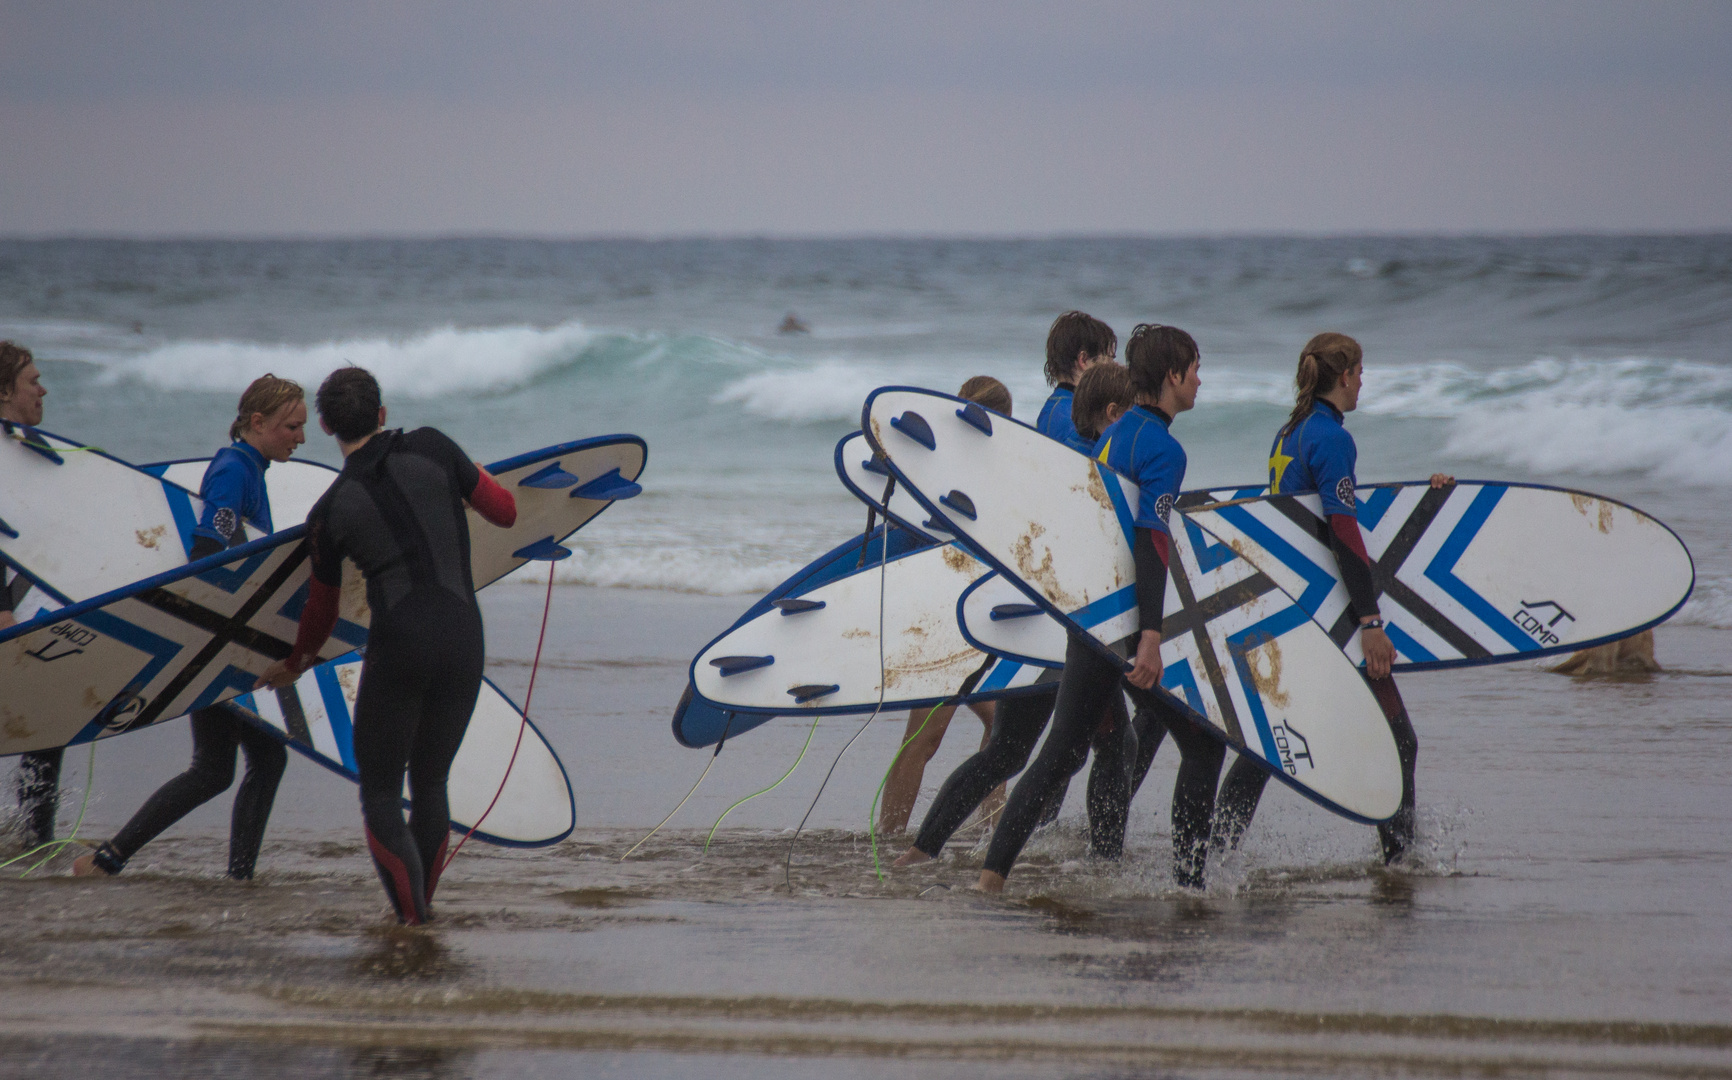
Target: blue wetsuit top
1055, 422
233, 490
1140, 446
1319, 455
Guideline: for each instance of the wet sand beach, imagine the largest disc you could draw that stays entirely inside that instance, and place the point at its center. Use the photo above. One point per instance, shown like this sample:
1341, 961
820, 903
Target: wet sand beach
1565, 915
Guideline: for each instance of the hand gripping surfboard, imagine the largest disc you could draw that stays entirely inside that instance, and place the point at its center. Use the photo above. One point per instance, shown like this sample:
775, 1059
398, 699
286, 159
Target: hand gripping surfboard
1240, 655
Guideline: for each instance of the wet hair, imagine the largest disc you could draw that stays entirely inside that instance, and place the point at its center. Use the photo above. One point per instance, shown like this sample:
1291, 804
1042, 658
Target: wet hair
266, 394
14, 358
1073, 333
1154, 352
1325, 359
988, 391
1100, 386
349, 403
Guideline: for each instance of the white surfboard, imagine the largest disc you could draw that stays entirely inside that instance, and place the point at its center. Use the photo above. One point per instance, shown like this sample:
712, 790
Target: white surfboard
1473, 573
1240, 654
315, 716
818, 652
867, 478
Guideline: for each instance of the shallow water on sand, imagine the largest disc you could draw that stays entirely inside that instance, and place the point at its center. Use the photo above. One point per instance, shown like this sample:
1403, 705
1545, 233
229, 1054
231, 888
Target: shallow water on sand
1565, 915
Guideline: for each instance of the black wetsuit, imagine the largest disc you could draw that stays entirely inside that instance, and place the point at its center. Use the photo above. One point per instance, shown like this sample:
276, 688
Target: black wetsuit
217, 732
38, 776
397, 511
1090, 685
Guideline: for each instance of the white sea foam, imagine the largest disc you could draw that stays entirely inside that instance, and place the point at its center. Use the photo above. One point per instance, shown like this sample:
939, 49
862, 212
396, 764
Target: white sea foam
429, 364
1710, 605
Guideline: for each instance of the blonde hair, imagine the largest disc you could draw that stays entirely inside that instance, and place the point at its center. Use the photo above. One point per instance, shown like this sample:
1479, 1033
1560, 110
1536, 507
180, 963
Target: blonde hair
266, 394
1100, 386
988, 391
1325, 359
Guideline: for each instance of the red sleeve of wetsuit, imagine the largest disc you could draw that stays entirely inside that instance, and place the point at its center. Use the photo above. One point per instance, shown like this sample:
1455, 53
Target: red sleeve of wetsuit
318, 619
493, 502
1349, 547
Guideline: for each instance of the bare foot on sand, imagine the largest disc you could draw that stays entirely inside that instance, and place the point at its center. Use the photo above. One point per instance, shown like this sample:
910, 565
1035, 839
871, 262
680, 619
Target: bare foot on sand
912, 857
989, 882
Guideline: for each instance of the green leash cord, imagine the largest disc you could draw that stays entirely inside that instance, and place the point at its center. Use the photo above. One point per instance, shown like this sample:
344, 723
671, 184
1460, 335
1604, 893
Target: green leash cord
872, 812
53, 846
809, 733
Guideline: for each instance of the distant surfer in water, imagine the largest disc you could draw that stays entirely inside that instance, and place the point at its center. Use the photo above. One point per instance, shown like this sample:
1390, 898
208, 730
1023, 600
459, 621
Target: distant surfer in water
1314, 453
38, 776
1164, 363
269, 426
396, 510
926, 727
793, 325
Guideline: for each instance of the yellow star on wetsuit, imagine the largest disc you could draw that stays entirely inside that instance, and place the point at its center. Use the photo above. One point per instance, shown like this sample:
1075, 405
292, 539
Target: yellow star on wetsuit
1278, 463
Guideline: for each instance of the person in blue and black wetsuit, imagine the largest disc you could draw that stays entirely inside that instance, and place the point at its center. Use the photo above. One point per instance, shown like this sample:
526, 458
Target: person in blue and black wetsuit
269, 427
1164, 363
1314, 453
38, 776
1074, 342
397, 511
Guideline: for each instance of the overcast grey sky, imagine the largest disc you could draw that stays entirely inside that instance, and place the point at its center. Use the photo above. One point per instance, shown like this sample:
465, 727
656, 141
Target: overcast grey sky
670, 117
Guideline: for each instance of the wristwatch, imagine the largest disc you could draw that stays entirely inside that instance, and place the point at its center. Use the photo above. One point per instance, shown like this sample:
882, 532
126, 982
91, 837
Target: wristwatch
1375, 623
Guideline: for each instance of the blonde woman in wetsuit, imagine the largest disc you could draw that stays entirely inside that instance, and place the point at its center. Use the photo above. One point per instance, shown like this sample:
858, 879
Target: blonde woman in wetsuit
268, 427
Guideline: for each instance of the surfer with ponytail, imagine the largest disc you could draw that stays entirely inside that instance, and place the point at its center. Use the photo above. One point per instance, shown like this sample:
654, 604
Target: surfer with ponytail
1313, 452
269, 425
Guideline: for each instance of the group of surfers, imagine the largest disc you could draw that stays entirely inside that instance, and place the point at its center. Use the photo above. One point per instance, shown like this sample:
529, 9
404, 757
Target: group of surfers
397, 510
1122, 415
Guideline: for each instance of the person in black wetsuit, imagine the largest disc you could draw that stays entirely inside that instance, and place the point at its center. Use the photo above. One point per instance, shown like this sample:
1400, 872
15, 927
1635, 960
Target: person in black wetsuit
38, 777
1314, 453
270, 425
397, 511
1164, 363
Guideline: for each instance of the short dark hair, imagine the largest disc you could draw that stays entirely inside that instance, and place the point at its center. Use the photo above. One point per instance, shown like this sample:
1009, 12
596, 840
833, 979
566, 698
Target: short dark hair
1073, 333
988, 391
1154, 352
13, 359
349, 403
1100, 386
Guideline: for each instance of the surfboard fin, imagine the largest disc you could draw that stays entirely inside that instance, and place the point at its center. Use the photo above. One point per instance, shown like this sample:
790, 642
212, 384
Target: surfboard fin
609, 485
7, 529
876, 464
734, 665
544, 549
803, 694
1001, 612
551, 477
975, 417
960, 503
930, 524
913, 425
794, 606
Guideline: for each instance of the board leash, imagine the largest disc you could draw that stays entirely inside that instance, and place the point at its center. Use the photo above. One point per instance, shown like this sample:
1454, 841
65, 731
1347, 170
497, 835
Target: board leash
723, 742
883, 568
523, 725
809, 733
53, 847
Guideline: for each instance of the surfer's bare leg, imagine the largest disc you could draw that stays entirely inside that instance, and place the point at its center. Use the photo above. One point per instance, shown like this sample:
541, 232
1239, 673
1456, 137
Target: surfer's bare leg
925, 733
990, 882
